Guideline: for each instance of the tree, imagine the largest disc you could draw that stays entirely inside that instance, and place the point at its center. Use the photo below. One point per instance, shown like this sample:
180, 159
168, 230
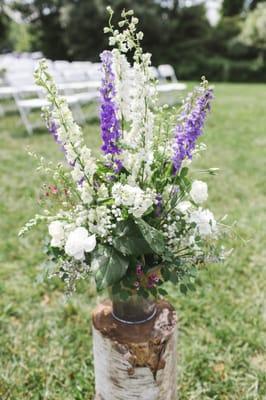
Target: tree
4, 30
83, 22
46, 30
231, 8
254, 28
253, 3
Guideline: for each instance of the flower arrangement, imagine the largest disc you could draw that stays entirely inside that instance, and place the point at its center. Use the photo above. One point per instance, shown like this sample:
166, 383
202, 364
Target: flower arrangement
132, 218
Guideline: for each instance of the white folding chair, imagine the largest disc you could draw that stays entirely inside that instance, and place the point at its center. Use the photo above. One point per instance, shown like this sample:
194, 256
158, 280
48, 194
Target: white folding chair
23, 90
168, 79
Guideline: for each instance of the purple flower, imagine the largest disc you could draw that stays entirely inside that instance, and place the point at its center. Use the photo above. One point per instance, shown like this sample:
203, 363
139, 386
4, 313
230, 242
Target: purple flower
153, 279
190, 128
110, 125
117, 166
139, 270
52, 128
81, 181
159, 205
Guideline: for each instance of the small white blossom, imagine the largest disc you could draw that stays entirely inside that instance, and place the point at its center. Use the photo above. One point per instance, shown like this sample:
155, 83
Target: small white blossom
205, 222
86, 193
184, 206
199, 192
133, 197
56, 230
79, 242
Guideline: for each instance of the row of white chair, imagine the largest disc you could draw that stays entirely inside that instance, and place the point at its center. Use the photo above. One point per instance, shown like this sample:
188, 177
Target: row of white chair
79, 81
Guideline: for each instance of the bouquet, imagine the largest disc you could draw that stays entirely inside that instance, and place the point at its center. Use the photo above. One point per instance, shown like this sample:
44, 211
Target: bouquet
132, 218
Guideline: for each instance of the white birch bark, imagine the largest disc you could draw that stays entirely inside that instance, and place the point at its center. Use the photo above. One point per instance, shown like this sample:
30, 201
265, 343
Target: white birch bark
129, 368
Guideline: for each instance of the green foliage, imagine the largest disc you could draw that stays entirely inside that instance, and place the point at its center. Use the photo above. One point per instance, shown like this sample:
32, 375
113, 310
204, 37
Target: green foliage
19, 36
47, 32
111, 266
4, 23
64, 29
253, 3
153, 237
231, 8
128, 239
254, 28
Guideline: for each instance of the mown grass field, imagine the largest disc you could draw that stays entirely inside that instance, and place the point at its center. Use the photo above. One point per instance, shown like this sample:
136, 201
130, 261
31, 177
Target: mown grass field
45, 343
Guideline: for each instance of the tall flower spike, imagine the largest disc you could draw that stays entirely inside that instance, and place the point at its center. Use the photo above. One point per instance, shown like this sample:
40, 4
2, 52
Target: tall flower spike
188, 130
110, 124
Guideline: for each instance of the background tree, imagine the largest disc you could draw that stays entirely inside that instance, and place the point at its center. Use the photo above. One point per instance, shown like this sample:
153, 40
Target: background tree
46, 30
254, 28
231, 8
174, 32
253, 3
4, 30
83, 23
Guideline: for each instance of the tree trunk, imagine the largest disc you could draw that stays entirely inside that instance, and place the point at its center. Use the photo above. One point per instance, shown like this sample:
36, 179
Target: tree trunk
135, 362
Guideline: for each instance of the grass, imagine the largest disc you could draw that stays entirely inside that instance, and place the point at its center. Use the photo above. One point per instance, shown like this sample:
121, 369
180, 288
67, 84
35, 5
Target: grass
45, 343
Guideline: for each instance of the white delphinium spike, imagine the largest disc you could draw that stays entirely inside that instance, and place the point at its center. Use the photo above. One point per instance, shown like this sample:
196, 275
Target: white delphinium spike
65, 130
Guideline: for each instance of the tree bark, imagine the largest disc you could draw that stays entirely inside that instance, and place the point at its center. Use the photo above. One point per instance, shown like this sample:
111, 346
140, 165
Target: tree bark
135, 362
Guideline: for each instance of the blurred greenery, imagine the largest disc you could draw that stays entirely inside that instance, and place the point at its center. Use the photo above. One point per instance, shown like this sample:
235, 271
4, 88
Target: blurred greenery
174, 33
45, 343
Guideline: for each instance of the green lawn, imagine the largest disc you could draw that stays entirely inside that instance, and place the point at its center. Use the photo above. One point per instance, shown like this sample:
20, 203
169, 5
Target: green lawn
45, 343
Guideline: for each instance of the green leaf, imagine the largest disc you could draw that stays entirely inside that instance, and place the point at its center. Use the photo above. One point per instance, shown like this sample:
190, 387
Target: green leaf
165, 273
183, 288
184, 172
191, 287
111, 266
129, 240
154, 238
162, 292
173, 277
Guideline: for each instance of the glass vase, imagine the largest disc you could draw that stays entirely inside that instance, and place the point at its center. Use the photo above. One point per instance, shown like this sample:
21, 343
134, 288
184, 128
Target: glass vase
135, 310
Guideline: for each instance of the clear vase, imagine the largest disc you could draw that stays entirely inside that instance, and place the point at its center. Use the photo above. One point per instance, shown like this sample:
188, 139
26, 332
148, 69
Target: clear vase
135, 310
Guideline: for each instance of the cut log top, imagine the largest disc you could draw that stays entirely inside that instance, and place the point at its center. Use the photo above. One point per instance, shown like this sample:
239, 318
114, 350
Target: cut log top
161, 326
135, 361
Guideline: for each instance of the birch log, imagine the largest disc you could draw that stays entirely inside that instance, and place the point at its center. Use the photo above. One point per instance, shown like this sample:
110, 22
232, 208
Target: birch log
135, 362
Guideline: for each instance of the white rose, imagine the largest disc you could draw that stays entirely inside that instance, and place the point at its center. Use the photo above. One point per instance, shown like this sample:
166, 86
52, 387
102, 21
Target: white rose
56, 230
199, 192
79, 242
205, 222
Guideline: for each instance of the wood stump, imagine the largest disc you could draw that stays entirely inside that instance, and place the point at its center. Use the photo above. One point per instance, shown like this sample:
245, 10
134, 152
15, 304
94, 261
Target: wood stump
135, 362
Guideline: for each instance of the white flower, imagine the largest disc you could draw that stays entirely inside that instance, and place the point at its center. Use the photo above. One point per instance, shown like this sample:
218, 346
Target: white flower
133, 197
77, 173
86, 193
141, 205
56, 230
199, 192
184, 206
79, 242
205, 222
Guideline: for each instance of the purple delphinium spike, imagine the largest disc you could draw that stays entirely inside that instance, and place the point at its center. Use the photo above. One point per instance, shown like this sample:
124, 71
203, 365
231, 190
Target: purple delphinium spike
190, 128
117, 165
110, 125
52, 128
